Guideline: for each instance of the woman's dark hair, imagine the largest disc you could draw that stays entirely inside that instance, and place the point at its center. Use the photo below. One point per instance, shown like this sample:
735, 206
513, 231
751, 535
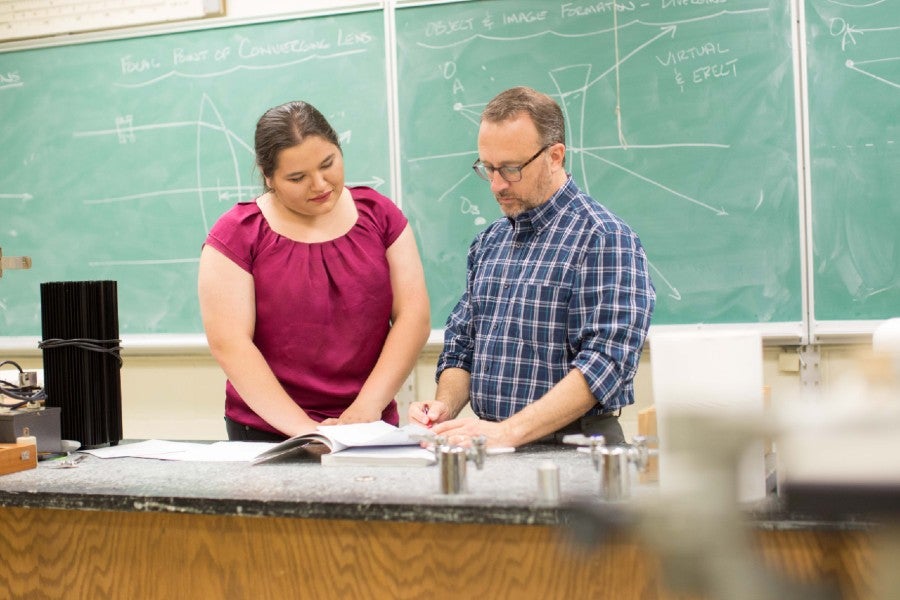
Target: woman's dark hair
286, 126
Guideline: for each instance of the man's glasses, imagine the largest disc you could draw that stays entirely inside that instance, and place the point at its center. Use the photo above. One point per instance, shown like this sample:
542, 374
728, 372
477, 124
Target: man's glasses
509, 174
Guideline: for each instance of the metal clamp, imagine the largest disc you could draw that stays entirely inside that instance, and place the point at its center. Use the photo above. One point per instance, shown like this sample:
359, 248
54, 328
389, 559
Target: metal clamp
612, 462
13, 262
452, 462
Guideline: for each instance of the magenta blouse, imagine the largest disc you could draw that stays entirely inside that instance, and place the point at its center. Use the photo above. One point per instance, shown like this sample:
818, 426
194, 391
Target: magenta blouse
322, 310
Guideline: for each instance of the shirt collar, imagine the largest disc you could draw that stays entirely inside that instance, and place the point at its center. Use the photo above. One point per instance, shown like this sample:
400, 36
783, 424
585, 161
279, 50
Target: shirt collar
539, 217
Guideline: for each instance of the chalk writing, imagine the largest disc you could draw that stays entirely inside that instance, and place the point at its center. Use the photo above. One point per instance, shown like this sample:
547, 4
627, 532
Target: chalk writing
248, 49
717, 71
674, 57
353, 38
188, 62
10, 78
125, 129
130, 64
436, 28
570, 10
687, 3
179, 56
529, 16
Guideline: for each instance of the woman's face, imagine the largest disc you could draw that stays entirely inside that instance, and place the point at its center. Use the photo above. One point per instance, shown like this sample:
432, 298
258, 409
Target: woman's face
309, 177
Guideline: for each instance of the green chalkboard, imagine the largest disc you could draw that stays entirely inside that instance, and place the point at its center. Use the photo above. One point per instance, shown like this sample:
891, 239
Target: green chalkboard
119, 154
703, 161
120, 150
853, 72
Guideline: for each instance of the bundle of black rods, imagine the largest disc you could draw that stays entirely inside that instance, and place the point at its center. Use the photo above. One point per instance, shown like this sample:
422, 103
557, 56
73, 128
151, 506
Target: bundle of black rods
80, 328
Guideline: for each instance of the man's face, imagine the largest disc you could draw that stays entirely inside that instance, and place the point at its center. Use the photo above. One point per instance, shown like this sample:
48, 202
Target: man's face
512, 143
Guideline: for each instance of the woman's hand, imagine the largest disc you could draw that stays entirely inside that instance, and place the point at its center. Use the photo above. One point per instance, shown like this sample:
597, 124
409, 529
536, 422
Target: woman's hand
358, 414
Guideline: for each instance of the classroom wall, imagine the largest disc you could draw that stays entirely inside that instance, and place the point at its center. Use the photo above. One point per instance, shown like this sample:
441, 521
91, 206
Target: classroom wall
180, 396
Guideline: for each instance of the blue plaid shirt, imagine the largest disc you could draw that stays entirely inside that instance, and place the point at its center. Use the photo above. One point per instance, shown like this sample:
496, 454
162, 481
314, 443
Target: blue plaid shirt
563, 286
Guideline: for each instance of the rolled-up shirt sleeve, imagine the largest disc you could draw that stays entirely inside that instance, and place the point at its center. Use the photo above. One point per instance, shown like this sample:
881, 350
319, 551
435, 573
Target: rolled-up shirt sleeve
609, 315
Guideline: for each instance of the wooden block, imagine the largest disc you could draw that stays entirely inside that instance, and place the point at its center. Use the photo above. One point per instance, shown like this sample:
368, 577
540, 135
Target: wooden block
647, 427
17, 457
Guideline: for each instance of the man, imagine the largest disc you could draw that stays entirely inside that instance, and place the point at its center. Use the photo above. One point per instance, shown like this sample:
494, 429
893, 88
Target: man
547, 336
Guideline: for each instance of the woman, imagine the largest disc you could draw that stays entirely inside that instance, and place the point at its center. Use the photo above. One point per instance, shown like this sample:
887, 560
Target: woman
313, 295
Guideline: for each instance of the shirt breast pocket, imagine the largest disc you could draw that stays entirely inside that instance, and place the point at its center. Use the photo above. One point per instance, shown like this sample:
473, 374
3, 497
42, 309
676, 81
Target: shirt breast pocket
542, 315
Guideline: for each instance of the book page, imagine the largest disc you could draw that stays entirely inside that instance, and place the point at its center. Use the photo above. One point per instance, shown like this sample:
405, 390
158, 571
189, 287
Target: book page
377, 433
339, 437
380, 456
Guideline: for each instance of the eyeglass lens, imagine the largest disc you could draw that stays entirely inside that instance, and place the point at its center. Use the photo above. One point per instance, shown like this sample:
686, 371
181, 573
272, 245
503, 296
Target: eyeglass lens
509, 174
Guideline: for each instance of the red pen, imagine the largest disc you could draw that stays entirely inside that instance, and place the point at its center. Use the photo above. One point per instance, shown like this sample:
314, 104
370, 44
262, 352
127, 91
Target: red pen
425, 412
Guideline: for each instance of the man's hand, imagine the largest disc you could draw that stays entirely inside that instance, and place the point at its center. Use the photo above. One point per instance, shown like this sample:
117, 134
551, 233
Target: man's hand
459, 432
427, 414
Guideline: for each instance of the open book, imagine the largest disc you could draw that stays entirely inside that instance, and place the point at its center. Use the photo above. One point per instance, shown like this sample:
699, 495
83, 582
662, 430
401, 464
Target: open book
376, 443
